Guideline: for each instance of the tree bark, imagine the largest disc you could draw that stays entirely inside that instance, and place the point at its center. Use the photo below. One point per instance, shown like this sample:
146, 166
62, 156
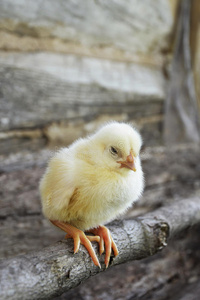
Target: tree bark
55, 269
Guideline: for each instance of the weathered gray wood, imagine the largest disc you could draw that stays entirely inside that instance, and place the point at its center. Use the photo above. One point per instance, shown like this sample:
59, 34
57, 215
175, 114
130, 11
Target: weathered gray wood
54, 98
45, 90
132, 26
182, 121
190, 292
170, 274
41, 88
55, 269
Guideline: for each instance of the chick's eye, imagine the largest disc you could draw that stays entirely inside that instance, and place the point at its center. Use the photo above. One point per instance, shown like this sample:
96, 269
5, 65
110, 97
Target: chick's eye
113, 150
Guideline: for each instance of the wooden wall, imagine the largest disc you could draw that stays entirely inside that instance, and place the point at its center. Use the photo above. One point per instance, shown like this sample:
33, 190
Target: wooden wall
66, 67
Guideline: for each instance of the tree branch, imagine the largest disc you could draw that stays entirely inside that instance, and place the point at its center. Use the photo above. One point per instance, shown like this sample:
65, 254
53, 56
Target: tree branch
55, 269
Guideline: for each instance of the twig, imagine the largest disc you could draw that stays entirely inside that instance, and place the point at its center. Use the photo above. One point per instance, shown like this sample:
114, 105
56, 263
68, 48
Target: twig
55, 269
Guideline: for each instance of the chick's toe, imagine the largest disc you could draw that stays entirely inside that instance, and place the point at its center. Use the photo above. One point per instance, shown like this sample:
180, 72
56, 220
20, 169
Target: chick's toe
79, 237
107, 240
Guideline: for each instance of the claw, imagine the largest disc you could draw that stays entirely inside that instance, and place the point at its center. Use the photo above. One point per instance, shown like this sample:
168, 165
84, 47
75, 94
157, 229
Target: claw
105, 238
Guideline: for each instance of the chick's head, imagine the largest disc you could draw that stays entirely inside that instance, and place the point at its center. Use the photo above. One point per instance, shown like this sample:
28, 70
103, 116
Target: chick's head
117, 146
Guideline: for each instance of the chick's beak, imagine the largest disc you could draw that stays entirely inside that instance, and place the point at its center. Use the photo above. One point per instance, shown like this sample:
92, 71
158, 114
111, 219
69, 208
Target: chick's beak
129, 162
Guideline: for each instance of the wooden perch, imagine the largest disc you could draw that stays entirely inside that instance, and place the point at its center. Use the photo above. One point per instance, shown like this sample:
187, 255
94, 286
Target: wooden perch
55, 269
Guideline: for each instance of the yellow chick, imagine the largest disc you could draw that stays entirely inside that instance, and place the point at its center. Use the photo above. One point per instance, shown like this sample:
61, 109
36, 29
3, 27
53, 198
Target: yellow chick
92, 182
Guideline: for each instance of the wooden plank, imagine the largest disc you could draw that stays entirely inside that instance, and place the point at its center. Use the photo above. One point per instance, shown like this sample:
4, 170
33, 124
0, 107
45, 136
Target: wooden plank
137, 27
42, 90
39, 88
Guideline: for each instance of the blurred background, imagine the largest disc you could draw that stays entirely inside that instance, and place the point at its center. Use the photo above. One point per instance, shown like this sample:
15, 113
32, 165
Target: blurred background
66, 67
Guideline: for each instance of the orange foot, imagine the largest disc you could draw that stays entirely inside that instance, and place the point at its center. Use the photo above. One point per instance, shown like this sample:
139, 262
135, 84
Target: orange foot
79, 237
101, 235
105, 238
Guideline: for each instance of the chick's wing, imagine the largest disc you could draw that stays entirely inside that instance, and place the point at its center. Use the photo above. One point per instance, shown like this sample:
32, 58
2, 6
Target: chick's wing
57, 186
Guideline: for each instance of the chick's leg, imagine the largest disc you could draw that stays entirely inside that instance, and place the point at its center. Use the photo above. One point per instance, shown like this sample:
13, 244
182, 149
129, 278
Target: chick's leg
105, 238
79, 237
